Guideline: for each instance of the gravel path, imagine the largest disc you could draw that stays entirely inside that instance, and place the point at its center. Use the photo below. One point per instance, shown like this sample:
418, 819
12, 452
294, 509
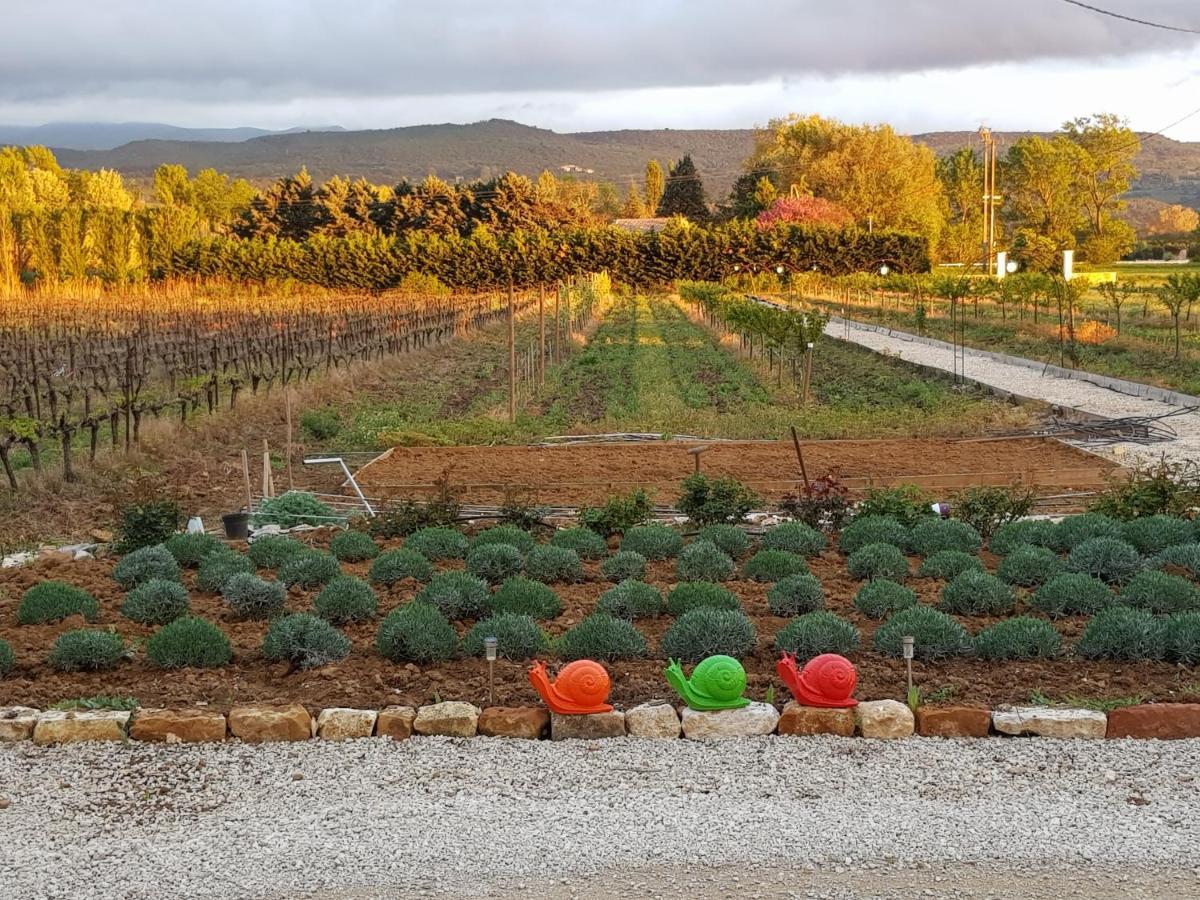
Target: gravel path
1029, 383
771, 817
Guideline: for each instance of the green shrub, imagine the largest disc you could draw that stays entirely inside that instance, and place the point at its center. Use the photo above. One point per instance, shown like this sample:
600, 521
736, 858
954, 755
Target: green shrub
1157, 487
880, 598
271, 551
156, 602
250, 597
1179, 556
418, 633
294, 508
87, 650
631, 600
704, 632
189, 641
509, 535
709, 501
877, 561
53, 601
147, 524
794, 537
795, 594
495, 562
402, 519
1075, 530
353, 546
988, 509
321, 424
1181, 638
618, 514
144, 564
585, 542
1122, 633
550, 564
935, 634
1034, 532
1022, 637
395, 565
1029, 566
1153, 534
864, 530
976, 594
704, 561
772, 565
456, 595
948, 564
622, 565
7, 659
309, 570
731, 540
653, 541
1072, 595
602, 637
346, 599
517, 637
815, 633
1159, 592
526, 597
438, 543
304, 641
218, 568
905, 503
932, 535
1109, 559
693, 594
190, 550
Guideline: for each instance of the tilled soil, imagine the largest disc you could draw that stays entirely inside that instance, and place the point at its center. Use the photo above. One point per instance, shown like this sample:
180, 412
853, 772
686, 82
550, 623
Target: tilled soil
367, 680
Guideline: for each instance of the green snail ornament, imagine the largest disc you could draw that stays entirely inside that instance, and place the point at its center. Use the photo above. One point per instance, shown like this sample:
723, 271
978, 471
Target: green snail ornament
717, 682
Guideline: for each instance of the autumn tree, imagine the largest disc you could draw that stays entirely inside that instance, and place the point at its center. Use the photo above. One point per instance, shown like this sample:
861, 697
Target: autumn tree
1104, 172
805, 210
961, 177
684, 192
1041, 199
635, 206
654, 186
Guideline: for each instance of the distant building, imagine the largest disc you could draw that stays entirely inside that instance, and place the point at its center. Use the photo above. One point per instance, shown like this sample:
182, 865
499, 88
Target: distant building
571, 167
642, 226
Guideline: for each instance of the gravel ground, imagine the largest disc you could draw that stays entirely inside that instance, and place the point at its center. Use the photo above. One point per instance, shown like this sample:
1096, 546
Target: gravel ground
767, 817
1028, 383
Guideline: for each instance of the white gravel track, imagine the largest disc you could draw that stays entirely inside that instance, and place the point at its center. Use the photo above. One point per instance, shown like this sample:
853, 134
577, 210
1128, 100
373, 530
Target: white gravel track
1029, 383
766, 817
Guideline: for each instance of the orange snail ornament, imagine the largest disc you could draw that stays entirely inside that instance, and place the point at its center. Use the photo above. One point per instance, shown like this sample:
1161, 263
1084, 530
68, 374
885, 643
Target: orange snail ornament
827, 680
581, 688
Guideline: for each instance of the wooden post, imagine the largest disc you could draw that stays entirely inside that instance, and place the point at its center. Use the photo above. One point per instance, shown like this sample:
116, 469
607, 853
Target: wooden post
808, 357
512, 356
695, 454
541, 335
268, 483
246, 478
287, 406
557, 324
800, 458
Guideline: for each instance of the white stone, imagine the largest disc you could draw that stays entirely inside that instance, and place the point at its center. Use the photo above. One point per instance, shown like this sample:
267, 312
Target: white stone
340, 723
755, 719
885, 719
18, 559
16, 723
82, 554
1045, 721
452, 717
652, 720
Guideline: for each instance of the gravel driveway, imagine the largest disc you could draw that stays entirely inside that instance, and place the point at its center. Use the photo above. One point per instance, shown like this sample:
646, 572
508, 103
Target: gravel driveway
769, 817
1029, 383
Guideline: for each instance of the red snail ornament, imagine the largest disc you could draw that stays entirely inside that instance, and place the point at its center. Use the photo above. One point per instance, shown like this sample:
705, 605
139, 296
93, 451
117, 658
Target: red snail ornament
581, 687
827, 680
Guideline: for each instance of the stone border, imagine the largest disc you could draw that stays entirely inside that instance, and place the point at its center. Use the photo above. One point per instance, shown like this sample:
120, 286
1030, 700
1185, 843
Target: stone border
879, 719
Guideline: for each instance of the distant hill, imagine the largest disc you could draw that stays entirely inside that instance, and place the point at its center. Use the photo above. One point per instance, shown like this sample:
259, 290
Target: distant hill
1170, 169
107, 135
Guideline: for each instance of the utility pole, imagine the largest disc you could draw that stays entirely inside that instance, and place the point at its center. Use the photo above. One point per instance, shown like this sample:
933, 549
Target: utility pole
990, 198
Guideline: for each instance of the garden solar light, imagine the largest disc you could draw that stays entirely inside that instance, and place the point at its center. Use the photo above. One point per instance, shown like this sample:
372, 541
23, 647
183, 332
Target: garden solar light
907, 642
779, 270
1011, 266
489, 649
883, 270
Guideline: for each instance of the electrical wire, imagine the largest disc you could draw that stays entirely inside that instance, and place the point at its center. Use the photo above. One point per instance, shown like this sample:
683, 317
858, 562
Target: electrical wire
1136, 21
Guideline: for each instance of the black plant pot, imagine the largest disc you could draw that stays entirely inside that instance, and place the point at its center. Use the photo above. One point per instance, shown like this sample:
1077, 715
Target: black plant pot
237, 525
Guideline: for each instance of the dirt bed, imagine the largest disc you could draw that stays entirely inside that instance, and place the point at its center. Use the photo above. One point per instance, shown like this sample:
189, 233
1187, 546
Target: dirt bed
365, 679
578, 474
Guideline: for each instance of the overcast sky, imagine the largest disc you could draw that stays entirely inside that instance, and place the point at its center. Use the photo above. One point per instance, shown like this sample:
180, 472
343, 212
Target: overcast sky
576, 65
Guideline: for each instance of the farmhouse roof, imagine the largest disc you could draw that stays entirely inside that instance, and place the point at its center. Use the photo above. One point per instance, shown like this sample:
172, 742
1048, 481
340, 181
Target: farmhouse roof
641, 225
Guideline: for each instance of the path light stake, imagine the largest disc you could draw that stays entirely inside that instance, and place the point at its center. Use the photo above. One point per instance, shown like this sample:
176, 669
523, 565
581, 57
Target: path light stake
489, 648
907, 642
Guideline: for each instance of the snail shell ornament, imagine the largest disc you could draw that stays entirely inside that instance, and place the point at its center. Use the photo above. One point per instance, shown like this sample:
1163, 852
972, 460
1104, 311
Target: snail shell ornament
827, 680
581, 688
716, 683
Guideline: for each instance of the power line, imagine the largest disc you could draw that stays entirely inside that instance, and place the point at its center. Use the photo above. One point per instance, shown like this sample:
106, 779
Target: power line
1125, 18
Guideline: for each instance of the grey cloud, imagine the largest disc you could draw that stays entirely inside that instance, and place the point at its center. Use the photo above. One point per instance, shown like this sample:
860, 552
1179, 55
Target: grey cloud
276, 50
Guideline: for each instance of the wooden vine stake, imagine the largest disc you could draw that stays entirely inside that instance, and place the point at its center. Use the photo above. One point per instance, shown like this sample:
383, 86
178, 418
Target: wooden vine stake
512, 356
268, 482
246, 478
287, 408
541, 335
800, 459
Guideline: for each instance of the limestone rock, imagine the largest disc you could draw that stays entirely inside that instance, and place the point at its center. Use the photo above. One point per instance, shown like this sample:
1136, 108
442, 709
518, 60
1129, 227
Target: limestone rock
16, 723
884, 719
755, 719
453, 718
178, 725
529, 722
798, 719
1153, 720
343, 724
953, 721
587, 727
1049, 722
262, 722
395, 722
71, 726
652, 720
